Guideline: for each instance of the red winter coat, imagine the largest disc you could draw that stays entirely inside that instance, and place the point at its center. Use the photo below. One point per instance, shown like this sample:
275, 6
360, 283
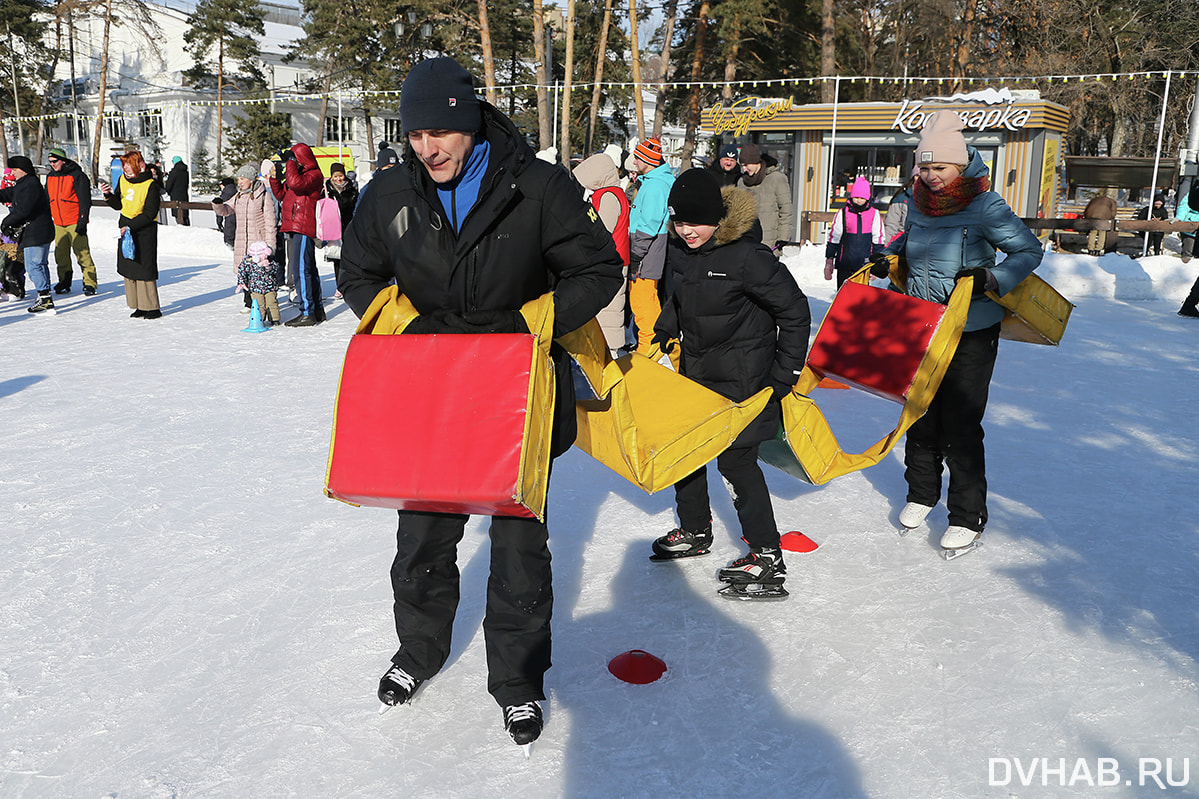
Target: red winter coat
298, 192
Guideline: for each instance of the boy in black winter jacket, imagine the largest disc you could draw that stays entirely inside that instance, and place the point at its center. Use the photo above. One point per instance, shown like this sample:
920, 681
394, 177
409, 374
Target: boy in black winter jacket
742, 325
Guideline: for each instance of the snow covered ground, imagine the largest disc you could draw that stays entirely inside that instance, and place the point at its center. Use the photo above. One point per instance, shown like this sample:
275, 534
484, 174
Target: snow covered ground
183, 614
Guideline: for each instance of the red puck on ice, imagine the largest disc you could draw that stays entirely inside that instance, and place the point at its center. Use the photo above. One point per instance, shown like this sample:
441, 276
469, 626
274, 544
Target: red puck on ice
636, 666
796, 541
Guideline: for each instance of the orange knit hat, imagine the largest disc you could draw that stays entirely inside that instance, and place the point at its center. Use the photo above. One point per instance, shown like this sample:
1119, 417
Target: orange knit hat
649, 151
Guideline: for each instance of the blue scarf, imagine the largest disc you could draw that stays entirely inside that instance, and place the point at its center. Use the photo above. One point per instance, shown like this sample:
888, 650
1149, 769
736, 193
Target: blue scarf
459, 195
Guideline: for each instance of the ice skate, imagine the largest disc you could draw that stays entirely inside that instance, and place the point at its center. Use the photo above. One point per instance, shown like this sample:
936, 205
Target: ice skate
912, 516
44, 304
758, 575
396, 688
523, 722
959, 541
680, 543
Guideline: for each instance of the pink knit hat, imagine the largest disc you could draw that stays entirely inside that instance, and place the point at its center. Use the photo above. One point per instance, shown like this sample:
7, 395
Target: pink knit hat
860, 188
941, 140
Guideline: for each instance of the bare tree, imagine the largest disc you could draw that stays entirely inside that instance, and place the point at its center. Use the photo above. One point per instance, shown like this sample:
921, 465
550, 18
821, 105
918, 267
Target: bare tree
601, 55
636, 55
542, 53
828, 50
672, 10
701, 34
569, 79
488, 58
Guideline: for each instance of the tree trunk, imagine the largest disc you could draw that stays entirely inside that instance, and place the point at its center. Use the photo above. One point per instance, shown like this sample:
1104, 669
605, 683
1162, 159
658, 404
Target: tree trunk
730, 61
320, 125
636, 54
828, 50
672, 8
220, 88
963, 55
600, 56
103, 94
545, 133
701, 35
488, 58
41, 124
570, 64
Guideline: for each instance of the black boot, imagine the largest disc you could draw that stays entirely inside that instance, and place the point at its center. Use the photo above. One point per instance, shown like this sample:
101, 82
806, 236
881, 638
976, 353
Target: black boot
1190, 306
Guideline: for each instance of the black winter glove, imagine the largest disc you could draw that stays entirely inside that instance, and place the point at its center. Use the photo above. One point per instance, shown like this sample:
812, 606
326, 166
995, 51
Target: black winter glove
280, 170
8, 230
217, 199
81, 228
880, 266
287, 155
780, 244
665, 341
982, 278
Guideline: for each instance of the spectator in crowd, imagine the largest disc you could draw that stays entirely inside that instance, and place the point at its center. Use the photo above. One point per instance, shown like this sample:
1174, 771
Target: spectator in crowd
71, 206
769, 186
856, 234
30, 224
647, 239
227, 224
726, 168
600, 180
250, 213
297, 183
1152, 241
178, 189
342, 188
137, 196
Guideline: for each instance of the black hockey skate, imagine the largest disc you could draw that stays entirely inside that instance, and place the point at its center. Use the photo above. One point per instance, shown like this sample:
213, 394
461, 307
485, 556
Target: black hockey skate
397, 687
758, 575
680, 543
523, 722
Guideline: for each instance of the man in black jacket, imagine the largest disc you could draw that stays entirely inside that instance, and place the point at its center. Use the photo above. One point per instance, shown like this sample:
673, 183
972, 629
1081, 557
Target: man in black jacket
176, 187
472, 224
29, 223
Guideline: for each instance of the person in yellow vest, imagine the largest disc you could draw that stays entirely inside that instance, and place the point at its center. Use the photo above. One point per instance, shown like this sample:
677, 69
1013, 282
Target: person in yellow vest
70, 205
137, 197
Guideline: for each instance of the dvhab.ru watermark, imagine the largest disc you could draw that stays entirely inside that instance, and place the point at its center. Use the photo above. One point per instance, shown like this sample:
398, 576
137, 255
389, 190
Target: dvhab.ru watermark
1102, 772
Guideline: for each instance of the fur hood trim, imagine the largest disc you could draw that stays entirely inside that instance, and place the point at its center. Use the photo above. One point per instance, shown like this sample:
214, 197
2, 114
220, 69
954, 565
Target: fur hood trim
740, 214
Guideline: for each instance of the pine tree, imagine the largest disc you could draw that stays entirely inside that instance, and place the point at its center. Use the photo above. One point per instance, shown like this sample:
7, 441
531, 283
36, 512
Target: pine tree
256, 135
226, 27
203, 178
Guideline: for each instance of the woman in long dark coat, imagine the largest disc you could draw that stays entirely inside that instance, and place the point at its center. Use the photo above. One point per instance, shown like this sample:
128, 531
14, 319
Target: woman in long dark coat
137, 197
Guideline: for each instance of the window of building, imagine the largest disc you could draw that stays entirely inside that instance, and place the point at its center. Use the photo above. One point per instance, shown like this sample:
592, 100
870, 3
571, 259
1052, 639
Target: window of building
347, 129
150, 123
114, 128
393, 132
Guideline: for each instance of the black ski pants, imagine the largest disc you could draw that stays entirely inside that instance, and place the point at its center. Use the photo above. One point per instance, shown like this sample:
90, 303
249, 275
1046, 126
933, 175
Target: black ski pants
951, 433
520, 600
751, 497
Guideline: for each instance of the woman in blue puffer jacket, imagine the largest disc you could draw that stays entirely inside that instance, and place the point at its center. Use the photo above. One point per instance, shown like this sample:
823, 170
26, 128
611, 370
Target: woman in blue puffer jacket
955, 225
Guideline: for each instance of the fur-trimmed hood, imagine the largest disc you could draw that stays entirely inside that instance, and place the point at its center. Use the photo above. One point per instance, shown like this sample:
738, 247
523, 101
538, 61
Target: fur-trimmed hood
740, 214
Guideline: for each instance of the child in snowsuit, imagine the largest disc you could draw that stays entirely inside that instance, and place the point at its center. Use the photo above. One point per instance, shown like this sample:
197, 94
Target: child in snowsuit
257, 274
856, 235
742, 325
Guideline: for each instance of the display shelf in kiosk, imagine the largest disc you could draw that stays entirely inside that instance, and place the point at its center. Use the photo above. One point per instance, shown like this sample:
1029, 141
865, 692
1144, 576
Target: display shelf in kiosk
1018, 134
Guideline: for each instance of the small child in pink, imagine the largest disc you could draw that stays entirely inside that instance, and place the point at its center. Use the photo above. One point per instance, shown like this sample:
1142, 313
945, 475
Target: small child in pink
257, 274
